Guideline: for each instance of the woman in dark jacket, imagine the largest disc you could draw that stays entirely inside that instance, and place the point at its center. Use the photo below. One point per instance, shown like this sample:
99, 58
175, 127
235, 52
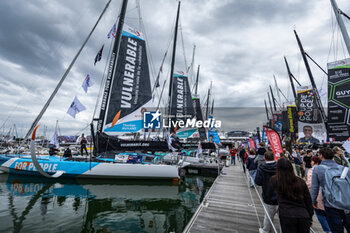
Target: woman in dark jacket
251, 166
293, 197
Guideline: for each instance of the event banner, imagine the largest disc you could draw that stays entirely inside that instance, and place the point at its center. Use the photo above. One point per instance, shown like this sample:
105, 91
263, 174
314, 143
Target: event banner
292, 119
274, 141
311, 128
277, 122
339, 99
251, 144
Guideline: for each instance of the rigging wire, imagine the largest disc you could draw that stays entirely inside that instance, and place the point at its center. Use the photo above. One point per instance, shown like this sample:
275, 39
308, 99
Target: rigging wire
150, 58
103, 80
183, 48
155, 74
44, 66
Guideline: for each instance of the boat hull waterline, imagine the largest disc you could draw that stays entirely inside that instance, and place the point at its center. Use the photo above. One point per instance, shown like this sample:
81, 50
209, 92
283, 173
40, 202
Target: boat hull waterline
86, 169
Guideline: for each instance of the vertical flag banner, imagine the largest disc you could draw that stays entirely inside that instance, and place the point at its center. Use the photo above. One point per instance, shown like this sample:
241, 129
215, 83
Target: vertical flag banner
292, 119
277, 122
99, 55
168, 139
54, 140
112, 32
75, 107
199, 150
339, 99
251, 144
274, 141
213, 132
311, 128
87, 83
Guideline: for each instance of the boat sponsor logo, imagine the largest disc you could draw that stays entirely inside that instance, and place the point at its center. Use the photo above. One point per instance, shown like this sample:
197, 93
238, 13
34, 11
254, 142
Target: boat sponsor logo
152, 120
136, 144
29, 166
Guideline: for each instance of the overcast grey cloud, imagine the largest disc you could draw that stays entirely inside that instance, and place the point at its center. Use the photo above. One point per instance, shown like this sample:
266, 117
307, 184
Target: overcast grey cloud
240, 44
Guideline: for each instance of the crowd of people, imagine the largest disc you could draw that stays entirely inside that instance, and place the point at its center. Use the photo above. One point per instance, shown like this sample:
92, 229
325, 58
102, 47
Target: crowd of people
300, 184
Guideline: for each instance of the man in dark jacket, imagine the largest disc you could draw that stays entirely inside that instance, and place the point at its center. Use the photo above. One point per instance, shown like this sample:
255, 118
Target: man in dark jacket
262, 178
259, 159
241, 156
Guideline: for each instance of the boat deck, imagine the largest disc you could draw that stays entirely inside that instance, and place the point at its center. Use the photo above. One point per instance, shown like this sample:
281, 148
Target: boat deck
232, 206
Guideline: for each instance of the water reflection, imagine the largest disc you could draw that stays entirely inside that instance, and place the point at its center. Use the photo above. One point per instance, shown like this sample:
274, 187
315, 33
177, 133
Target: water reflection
46, 205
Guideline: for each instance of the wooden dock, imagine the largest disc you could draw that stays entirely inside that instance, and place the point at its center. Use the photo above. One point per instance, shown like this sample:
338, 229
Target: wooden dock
232, 206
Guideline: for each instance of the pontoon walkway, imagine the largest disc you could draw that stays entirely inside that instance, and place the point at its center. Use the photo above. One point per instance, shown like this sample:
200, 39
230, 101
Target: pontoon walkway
232, 206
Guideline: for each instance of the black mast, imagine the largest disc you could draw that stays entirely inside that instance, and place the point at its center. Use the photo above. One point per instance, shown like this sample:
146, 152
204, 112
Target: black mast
273, 99
318, 101
267, 111
196, 87
268, 94
173, 61
174, 53
207, 108
111, 68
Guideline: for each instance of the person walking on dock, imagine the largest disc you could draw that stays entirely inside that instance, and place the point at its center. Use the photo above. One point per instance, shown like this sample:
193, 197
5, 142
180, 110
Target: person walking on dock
251, 166
307, 161
337, 218
339, 157
259, 159
319, 211
294, 200
241, 156
297, 161
83, 143
233, 153
262, 178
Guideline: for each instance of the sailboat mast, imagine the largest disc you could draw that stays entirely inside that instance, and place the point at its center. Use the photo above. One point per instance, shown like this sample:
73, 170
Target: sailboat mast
111, 68
190, 68
207, 108
268, 94
273, 99
341, 25
276, 86
173, 61
174, 53
318, 101
267, 111
196, 87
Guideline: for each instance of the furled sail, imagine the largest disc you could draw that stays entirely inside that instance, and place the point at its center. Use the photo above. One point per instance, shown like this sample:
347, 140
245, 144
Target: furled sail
131, 87
181, 106
199, 116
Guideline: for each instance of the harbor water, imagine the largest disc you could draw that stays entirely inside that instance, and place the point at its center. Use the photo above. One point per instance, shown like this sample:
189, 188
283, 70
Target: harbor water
48, 205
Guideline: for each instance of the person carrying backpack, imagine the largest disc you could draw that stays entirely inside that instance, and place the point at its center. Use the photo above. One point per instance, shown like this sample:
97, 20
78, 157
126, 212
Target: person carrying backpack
259, 159
241, 156
334, 181
251, 166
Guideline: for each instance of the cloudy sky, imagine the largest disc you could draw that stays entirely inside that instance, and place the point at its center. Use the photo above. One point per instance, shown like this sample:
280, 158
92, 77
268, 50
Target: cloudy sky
240, 45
